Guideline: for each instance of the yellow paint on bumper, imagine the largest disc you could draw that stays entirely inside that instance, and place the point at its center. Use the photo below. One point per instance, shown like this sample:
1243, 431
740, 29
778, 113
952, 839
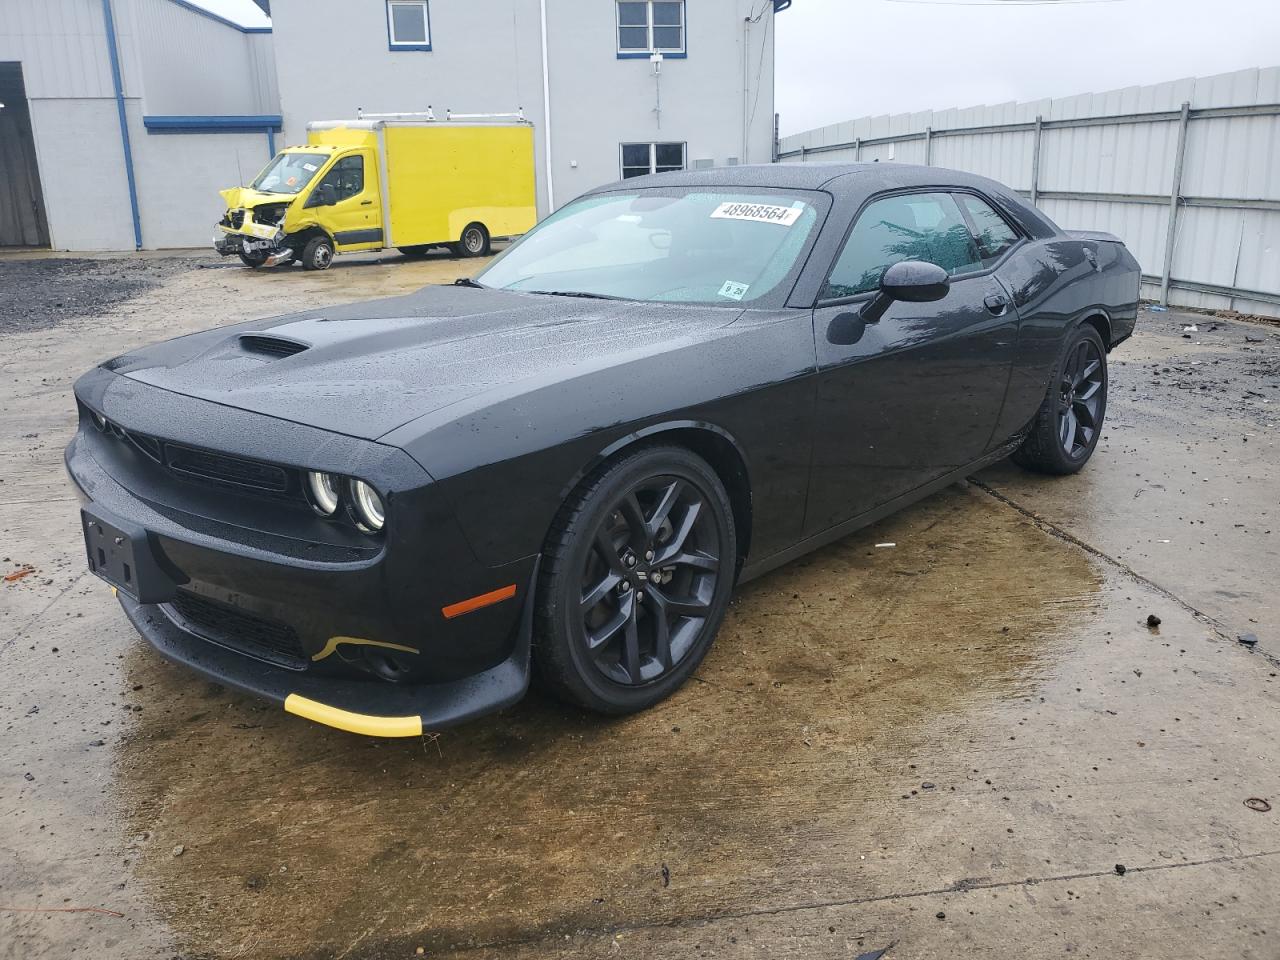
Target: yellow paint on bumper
362, 723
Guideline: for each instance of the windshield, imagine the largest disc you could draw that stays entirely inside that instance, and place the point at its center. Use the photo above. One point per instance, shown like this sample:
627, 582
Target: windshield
707, 246
289, 172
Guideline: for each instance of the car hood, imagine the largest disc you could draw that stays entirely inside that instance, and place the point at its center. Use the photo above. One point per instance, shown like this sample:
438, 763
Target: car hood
365, 369
249, 198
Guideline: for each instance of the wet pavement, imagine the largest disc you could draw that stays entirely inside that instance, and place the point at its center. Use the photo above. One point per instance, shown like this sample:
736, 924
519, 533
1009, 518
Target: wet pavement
970, 742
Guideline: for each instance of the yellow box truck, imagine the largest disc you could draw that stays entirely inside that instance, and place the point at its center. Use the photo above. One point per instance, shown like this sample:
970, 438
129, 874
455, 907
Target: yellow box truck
407, 181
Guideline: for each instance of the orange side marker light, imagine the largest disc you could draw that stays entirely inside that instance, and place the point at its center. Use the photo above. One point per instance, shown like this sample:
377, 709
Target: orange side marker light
475, 603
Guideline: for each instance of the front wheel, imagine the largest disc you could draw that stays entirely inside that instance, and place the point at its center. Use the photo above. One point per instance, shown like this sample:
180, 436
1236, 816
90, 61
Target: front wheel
635, 581
318, 253
1066, 429
255, 259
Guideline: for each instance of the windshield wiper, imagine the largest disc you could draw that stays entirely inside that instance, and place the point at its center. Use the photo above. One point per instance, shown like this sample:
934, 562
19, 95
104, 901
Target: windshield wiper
468, 282
574, 293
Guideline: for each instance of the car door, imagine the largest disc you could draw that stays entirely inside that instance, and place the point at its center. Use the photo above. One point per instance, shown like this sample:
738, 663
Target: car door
351, 212
915, 395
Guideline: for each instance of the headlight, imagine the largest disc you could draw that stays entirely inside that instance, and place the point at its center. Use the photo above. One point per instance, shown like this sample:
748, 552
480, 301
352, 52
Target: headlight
368, 505
323, 490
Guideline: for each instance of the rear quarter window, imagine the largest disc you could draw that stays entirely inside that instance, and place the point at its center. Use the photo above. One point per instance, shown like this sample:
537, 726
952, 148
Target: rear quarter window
993, 234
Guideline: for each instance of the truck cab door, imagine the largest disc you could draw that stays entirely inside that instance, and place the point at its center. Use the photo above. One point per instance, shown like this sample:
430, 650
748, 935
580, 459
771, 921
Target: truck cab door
349, 206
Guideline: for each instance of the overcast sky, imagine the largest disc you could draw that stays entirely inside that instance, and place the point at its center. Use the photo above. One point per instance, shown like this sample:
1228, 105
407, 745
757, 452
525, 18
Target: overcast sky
841, 59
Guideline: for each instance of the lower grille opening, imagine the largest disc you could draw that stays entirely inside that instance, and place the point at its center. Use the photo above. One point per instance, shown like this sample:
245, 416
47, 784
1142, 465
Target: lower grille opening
227, 626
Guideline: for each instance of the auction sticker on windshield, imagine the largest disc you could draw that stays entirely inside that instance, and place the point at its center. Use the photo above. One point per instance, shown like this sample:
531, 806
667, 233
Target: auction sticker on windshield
759, 212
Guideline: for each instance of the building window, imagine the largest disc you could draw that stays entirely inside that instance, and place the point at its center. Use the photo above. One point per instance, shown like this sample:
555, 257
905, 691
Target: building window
650, 26
408, 25
639, 159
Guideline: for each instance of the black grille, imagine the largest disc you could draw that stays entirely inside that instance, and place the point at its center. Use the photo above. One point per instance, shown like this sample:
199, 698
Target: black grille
238, 630
233, 219
271, 346
220, 468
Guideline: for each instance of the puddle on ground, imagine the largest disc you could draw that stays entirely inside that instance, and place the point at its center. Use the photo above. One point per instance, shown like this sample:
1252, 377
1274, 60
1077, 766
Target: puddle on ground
764, 780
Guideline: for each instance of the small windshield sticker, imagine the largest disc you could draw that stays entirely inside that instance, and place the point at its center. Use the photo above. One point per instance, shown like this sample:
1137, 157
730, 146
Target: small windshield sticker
734, 290
759, 212
309, 167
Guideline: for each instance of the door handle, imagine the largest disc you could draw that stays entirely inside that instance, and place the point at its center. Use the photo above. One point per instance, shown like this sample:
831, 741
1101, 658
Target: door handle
366, 203
997, 303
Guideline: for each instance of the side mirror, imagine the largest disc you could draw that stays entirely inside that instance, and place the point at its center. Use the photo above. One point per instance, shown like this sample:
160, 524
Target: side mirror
325, 195
911, 281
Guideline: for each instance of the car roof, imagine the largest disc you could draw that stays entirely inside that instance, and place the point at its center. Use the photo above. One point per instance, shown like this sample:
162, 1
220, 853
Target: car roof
845, 181
834, 176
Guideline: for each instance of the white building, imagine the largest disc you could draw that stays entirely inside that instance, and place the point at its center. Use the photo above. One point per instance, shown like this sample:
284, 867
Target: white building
585, 72
123, 118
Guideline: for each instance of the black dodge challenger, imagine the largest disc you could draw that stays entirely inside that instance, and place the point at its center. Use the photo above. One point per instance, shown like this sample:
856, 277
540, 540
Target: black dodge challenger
385, 516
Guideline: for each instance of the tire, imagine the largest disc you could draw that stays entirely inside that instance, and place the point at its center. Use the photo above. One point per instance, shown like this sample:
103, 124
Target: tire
253, 260
1067, 426
474, 242
317, 254
418, 251
609, 541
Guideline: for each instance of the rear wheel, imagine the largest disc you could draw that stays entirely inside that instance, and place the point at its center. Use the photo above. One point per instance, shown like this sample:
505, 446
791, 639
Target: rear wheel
474, 242
1066, 429
636, 579
318, 253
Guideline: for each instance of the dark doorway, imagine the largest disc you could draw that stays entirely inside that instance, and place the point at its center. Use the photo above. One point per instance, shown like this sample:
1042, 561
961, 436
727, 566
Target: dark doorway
22, 219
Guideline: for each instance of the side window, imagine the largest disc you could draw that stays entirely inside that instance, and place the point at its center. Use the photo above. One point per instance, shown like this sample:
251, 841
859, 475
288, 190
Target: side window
913, 226
993, 234
346, 179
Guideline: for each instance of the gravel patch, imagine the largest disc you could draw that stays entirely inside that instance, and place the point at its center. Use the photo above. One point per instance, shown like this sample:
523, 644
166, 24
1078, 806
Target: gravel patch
38, 294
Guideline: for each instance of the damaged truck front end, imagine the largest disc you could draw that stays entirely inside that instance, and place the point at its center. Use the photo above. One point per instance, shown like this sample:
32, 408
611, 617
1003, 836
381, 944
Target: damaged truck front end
275, 219
254, 231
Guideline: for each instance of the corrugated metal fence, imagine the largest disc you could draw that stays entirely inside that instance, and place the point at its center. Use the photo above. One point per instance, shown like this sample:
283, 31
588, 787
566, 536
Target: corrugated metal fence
1187, 173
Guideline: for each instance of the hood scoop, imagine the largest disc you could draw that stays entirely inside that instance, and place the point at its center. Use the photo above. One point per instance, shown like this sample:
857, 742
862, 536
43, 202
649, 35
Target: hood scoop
268, 346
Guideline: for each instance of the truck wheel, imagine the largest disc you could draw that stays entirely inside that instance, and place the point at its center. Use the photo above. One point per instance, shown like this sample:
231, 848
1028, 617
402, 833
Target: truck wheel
318, 253
254, 259
416, 251
474, 243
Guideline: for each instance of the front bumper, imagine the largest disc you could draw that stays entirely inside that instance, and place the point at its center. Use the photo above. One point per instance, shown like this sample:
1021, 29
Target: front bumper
251, 238
356, 705
267, 598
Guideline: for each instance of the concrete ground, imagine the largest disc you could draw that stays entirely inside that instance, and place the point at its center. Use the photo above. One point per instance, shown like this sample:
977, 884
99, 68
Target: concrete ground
967, 744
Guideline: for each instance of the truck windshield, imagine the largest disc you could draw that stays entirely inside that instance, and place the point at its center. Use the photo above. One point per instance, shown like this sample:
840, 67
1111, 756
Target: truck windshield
695, 246
289, 172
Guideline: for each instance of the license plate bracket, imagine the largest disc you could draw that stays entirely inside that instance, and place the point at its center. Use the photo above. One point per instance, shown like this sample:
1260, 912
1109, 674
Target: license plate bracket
120, 553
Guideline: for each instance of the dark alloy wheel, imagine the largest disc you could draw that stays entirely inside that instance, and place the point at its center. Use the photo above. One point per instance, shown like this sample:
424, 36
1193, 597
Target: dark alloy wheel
636, 581
1081, 397
648, 581
1065, 431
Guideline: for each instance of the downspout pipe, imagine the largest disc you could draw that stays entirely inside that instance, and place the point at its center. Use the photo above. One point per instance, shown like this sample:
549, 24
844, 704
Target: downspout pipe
547, 115
110, 22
